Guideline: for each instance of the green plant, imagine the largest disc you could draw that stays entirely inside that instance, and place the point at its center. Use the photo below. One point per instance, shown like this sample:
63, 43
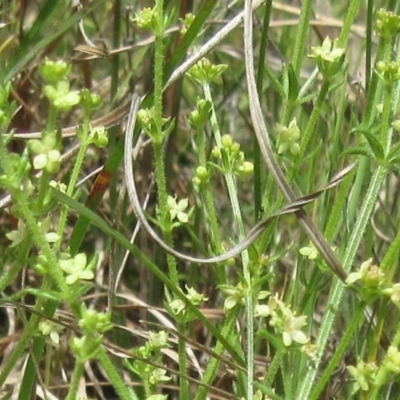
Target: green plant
272, 203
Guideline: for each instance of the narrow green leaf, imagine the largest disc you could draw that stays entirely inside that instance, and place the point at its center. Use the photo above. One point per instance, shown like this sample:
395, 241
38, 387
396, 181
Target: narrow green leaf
123, 241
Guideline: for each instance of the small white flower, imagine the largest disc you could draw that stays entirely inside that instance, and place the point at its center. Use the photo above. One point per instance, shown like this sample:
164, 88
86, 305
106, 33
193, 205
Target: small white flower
18, 235
309, 251
360, 274
177, 306
327, 51
363, 374
195, 297
176, 210
235, 295
392, 360
62, 187
50, 237
158, 340
76, 269
159, 375
52, 329
265, 310
393, 292
288, 137
47, 156
291, 328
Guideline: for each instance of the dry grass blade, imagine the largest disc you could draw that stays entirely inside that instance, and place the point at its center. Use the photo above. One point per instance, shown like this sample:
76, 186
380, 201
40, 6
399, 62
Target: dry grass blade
295, 206
119, 114
261, 132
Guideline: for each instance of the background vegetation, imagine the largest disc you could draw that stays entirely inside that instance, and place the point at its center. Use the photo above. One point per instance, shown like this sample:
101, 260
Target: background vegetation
266, 139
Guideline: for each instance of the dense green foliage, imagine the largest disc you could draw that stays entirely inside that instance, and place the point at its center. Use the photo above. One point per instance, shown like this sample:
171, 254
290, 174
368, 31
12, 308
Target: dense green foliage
199, 200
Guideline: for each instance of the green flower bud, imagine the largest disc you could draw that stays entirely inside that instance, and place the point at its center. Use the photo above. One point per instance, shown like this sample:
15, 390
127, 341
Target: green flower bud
204, 72
42, 265
89, 101
245, 169
392, 360
199, 117
99, 137
146, 118
202, 174
54, 71
93, 322
389, 72
235, 150
387, 24
86, 347
226, 141
187, 21
144, 19
196, 182
216, 152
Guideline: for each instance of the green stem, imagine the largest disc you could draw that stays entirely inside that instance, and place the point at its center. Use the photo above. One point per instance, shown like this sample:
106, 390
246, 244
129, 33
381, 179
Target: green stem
158, 74
260, 78
28, 378
300, 44
39, 239
348, 22
336, 294
49, 356
309, 131
183, 383
163, 207
212, 366
248, 300
287, 378
74, 176
389, 264
274, 367
158, 139
213, 120
339, 353
369, 201
116, 43
123, 391
209, 205
43, 190
386, 114
20, 347
382, 377
76, 376
7, 275
51, 120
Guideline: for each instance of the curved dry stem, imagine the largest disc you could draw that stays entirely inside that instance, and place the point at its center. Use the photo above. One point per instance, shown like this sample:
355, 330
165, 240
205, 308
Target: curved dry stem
315, 235
295, 206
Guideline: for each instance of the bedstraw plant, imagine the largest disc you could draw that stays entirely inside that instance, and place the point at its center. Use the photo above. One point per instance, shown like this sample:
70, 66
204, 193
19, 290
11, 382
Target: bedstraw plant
241, 239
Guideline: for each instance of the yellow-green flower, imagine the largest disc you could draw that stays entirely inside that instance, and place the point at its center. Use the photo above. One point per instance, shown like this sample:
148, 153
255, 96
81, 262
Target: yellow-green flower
288, 137
52, 329
76, 269
176, 210
327, 51
309, 251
